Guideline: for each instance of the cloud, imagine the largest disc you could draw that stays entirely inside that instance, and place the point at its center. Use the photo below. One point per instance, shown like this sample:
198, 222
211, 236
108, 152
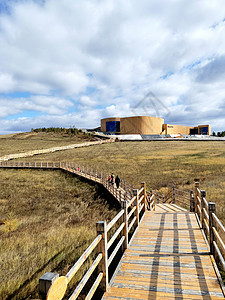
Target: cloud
43, 104
102, 57
213, 72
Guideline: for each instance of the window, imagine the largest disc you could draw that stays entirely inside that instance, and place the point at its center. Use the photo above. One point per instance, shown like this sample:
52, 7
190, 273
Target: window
113, 126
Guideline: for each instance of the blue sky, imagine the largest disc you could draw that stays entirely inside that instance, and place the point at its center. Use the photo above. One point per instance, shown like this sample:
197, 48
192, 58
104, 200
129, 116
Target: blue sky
71, 63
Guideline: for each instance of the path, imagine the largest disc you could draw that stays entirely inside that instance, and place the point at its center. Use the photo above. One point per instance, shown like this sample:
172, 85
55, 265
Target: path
167, 259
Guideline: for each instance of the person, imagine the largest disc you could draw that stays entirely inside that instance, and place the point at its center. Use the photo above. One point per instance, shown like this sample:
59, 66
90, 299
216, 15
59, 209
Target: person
117, 181
112, 179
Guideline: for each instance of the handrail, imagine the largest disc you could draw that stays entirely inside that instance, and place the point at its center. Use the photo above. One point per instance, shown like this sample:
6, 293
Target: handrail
113, 238
140, 191
116, 218
84, 280
83, 257
218, 222
131, 201
131, 212
116, 250
134, 203
122, 236
211, 225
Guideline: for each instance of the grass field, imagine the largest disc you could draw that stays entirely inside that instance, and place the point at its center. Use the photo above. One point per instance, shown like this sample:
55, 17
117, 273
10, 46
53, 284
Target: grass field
44, 206
22, 142
52, 217
160, 164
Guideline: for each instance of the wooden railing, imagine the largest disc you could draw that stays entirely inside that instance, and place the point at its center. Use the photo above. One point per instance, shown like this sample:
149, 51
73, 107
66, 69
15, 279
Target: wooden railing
120, 230
181, 197
209, 223
112, 238
150, 200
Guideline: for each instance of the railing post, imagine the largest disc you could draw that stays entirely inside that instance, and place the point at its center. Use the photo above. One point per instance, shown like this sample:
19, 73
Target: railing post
192, 201
135, 193
45, 282
125, 229
102, 248
203, 194
212, 209
157, 197
154, 200
143, 185
196, 194
174, 194
120, 196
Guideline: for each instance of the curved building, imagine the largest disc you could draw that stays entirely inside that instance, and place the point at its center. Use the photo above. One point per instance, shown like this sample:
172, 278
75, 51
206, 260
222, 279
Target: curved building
147, 125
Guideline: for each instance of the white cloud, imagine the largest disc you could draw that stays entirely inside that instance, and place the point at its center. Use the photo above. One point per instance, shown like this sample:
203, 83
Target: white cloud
107, 55
43, 104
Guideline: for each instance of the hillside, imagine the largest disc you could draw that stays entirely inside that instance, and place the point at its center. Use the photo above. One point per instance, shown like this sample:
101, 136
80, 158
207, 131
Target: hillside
21, 142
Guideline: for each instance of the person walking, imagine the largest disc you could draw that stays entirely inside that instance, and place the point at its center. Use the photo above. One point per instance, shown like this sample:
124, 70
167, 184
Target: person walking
112, 179
117, 181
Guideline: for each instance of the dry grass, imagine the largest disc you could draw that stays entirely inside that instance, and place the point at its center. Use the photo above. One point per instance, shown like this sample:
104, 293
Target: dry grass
55, 215
160, 164
46, 206
22, 142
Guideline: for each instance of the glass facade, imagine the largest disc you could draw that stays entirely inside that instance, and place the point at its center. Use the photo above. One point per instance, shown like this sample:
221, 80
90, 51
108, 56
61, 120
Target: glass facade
113, 126
203, 130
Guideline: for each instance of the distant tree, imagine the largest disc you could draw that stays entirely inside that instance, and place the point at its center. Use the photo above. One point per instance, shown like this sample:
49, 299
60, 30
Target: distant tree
72, 130
221, 134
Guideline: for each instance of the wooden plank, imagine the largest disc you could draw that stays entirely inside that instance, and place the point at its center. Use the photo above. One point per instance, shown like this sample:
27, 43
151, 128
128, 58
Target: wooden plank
167, 259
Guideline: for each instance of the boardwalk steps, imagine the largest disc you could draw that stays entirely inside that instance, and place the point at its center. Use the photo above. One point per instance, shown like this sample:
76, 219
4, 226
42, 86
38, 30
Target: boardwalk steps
168, 251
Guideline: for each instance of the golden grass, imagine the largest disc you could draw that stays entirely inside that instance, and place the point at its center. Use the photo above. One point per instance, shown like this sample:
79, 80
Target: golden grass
159, 164
22, 142
56, 215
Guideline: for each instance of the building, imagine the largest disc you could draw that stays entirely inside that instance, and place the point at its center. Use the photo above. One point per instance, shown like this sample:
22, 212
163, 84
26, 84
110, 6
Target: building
147, 125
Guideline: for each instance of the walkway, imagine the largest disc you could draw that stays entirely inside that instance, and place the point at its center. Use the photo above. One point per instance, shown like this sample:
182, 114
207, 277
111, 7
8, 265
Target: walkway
168, 259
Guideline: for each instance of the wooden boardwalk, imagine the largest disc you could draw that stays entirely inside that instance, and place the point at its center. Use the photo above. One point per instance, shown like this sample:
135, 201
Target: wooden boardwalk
168, 256
167, 259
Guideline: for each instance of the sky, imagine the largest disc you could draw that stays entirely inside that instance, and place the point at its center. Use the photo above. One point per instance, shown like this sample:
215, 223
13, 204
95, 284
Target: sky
72, 62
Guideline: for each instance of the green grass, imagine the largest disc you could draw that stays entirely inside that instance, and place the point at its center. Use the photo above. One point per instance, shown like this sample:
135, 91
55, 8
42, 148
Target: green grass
54, 216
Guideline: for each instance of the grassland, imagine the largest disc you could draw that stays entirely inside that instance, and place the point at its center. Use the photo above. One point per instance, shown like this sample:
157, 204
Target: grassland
52, 216
160, 164
45, 206
22, 142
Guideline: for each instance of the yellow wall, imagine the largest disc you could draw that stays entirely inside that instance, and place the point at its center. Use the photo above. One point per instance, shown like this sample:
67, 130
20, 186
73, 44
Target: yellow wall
103, 122
141, 125
149, 125
176, 129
